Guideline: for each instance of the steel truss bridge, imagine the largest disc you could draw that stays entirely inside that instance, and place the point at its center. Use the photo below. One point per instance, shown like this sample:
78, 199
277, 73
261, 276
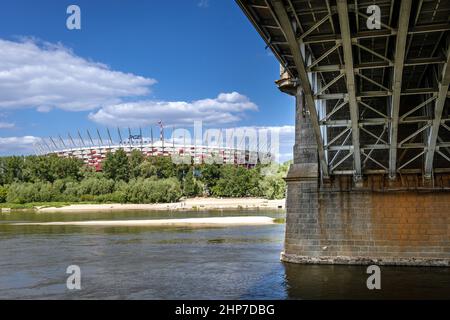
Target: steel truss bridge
377, 98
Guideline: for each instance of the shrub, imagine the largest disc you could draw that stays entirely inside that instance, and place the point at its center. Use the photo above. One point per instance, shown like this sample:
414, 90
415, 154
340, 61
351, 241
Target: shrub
21, 193
3, 194
148, 170
210, 175
237, 182
191, 187
96, 187
71, 192
133, 179
135, 160
154, 191
272, 184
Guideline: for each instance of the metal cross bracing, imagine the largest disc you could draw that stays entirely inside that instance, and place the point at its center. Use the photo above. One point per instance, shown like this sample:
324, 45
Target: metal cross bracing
377, 98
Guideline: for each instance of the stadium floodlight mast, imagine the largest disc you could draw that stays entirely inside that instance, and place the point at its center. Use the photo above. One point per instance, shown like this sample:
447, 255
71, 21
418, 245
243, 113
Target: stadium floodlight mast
46, 144
130, 137
90, 138
38, 148
42, 148
99, 137
151, 137
173, 139
71, 140
161, 133
81, 139
62, 142
120, 136
110, 139
53, 142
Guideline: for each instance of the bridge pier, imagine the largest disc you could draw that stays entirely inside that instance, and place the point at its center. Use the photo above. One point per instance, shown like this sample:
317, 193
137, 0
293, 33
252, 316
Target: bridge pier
382, 196
372, 221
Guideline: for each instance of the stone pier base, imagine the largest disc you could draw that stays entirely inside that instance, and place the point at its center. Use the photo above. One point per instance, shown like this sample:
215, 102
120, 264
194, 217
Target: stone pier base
379, 223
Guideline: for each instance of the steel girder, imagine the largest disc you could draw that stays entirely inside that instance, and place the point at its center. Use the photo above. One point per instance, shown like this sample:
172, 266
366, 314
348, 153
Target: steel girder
393, 71
438, 108
351, 85
400, 49
285, 23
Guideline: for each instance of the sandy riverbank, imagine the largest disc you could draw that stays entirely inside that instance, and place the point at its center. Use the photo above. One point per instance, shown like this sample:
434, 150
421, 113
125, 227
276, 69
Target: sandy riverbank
191, 222
188, 204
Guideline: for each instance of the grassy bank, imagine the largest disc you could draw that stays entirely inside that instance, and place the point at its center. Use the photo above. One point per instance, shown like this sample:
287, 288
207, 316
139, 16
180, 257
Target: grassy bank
34, 205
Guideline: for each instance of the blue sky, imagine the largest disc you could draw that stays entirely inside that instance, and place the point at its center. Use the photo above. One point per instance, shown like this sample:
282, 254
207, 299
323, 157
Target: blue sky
177, 61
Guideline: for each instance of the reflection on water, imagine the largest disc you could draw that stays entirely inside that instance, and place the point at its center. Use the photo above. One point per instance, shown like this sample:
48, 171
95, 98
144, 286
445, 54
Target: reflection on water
181, 263
349, 282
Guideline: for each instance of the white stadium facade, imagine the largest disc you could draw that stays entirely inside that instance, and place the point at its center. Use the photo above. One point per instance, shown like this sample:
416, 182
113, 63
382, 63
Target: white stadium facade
93, 151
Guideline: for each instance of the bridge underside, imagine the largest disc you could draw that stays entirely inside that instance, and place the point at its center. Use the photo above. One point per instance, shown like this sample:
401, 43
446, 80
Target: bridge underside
380, 96
371, 170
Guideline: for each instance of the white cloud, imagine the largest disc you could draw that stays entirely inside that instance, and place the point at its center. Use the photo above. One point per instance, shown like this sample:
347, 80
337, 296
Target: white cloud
203, 4
46, 76
224, 109
18, 145
6, 125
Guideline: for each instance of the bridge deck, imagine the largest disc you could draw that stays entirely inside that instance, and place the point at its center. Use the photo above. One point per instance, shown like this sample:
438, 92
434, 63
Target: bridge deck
379, 96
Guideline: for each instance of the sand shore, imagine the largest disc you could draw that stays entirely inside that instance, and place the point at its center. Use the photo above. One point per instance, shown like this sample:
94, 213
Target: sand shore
191, 222
188, 204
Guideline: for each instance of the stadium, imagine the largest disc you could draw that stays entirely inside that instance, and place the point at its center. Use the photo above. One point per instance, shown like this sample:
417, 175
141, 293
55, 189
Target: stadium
93, 150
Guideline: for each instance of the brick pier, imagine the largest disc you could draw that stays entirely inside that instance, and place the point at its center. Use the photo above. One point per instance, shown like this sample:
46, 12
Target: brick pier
374, 221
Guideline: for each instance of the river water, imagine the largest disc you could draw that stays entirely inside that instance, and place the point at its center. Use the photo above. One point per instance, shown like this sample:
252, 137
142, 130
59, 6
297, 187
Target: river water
182, 263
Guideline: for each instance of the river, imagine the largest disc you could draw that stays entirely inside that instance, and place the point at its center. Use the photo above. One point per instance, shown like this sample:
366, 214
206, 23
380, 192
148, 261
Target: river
182, 263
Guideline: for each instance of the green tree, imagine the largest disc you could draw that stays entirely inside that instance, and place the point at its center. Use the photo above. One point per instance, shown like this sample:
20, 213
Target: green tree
11, 170
165, 168
148, 169
210, 175
132, 179
67, 168
237, 182
182, 170
32, 192
116, 166
272, 183
135, 160
50, 168
190, 186
95, 186
3, 194
154, 191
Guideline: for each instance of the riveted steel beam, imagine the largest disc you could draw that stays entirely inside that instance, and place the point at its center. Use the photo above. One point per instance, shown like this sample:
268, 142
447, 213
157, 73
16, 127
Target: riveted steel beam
351, 84
400, 50
290, 35
438, 108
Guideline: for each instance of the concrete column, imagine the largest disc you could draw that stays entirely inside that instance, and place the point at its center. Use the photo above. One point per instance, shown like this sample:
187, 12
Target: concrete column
302, 184
306, 163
